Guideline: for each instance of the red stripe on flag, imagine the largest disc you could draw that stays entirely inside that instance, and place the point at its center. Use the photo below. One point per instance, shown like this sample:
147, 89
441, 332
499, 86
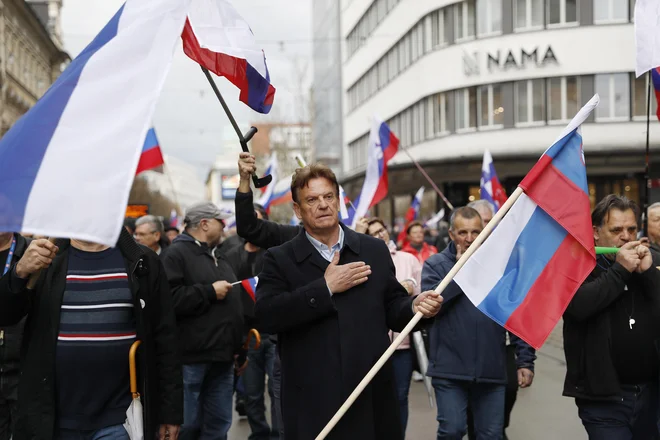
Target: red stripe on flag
150, 159
569, 205
551, 293
248, 288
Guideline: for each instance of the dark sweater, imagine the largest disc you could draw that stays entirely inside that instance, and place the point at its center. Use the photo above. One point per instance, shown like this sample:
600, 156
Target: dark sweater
97, 329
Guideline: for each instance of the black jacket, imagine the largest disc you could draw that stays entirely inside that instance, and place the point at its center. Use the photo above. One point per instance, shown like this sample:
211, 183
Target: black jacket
590, 372
11, 336
209, 330
263, 233
465, 344
328, 343
160, 381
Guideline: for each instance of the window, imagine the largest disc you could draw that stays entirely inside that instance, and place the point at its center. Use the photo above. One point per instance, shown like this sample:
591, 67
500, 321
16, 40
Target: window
440, 111
489, 17
466, 108
440, 28
563, 98
491, 112
530, 102
607, 11
464, 20
561, 12
528, 14
614, 94
639, 96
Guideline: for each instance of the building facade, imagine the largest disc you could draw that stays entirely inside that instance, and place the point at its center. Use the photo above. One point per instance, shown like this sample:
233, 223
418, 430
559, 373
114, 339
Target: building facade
326, 84
452, 78
31, 55
179, 182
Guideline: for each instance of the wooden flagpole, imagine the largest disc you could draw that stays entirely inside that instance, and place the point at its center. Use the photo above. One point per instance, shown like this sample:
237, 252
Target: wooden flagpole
647, 181
418, 316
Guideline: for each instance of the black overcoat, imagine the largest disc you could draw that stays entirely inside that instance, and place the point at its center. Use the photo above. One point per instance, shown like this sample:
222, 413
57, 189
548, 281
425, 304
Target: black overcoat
328, 343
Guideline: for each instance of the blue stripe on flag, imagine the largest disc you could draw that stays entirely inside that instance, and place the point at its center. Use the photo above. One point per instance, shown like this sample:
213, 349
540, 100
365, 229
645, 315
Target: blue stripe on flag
534, 248
257, 89
151, 141
571, 162
24, 146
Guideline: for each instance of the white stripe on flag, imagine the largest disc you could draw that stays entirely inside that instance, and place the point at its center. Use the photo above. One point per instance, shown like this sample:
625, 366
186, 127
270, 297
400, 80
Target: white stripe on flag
90, 162
647, 35
491, 259
97, 277
372, 176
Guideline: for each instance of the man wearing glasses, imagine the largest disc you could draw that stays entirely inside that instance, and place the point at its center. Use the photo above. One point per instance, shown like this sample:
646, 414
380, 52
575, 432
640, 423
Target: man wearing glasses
149, 232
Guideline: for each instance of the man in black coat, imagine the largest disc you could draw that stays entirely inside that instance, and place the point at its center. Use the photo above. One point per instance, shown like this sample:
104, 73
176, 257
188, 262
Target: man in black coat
12, 247
209, 321
331, 295
89, 305
611, 332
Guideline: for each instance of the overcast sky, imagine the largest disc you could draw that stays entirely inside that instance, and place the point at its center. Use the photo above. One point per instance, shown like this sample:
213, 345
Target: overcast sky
189, 120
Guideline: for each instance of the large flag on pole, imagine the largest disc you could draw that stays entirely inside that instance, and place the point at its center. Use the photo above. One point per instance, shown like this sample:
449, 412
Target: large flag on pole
491, 189
526, 273
647, 35
66, 167
217, 37
413, 211
383, 145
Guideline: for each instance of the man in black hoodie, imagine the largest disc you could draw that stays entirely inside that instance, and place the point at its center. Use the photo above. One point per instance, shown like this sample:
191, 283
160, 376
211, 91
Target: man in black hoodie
12, 247
209, 320
611, 332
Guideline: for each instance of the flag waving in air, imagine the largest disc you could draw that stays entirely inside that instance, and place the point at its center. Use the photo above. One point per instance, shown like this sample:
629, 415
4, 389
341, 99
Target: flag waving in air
217, 37
383, 145
491, 189
152, 156
343, 201
66, 167
413, 211
526, 273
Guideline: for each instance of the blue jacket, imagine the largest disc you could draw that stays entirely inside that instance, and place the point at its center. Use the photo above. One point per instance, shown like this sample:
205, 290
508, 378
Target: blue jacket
465, 344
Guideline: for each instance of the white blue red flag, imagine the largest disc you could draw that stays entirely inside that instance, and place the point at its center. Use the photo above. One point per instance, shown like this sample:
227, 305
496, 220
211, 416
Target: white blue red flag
343, 201
281, 193
526, 273
174, 218
250, 286
655, 77
383, 145
413, 211
66, 167
269, 190
217, 37
491, 189
152, 156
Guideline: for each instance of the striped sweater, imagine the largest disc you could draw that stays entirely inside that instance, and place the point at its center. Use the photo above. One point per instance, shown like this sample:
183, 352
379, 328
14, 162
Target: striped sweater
97, 328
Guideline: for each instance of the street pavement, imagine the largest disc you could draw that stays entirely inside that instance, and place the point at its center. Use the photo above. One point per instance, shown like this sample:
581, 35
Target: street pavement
541, 413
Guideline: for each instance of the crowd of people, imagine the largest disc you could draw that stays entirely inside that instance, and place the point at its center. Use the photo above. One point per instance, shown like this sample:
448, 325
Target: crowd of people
328, 303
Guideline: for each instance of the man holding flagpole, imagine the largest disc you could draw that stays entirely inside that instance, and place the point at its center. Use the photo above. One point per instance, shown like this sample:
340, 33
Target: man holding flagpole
331, 295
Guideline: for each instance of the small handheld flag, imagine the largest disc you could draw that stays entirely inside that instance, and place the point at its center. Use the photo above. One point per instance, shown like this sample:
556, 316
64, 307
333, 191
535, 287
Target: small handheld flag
491, 189
250, 286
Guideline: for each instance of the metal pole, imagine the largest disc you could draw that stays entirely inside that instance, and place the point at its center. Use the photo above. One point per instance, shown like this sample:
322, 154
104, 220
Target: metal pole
437, 190
647, 183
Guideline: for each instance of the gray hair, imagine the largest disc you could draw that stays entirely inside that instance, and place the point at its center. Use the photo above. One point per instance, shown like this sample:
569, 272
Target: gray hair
466, 212
151, 219
653, 206
481, 203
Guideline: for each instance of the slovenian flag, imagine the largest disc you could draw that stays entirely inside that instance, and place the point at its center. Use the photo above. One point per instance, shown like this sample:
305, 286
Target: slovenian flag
152, 156
526, 273
491, 189
250, 286
343, 201
67, 166
655, 76
383, 145
269, 190
217, 37
413, 211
